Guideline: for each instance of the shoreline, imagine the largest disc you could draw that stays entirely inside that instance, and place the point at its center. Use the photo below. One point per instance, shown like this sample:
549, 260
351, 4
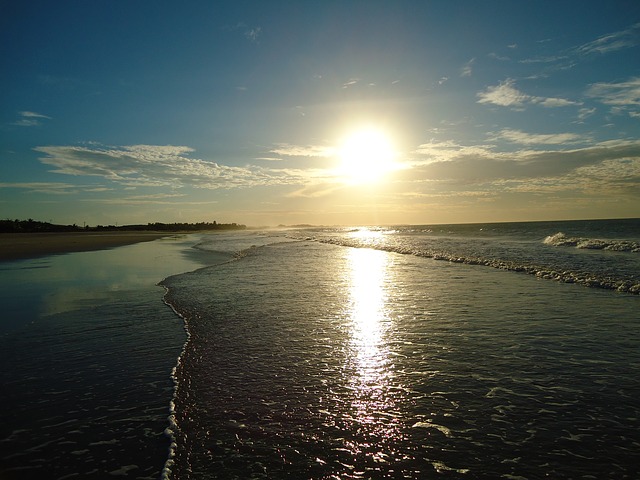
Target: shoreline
20, 246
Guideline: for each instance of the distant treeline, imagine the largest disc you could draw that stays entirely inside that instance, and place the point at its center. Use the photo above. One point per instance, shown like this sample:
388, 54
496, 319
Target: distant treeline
34, 226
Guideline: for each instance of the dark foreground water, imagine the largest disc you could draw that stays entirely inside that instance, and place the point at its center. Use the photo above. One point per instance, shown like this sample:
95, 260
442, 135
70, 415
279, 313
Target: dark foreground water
478, 351
86, 352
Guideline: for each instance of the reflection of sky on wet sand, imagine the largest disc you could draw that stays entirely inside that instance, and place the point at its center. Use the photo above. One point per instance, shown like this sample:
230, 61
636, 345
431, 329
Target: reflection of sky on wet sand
373, 405
45, 286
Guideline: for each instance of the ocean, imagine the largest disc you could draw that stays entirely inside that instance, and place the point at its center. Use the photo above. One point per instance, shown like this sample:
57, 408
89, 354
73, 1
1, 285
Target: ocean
445, 351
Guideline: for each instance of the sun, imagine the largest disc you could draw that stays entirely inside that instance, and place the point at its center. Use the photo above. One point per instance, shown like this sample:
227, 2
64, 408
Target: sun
366, 155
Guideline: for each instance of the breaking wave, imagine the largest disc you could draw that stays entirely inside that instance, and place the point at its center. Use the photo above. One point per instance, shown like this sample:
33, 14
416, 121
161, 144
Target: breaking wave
543, 271
561, 240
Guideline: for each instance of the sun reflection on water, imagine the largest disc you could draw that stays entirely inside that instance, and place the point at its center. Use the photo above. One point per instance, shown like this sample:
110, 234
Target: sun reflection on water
373, 410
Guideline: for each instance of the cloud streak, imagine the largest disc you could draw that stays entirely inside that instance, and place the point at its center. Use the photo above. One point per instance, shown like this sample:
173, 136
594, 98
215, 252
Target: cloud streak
289, 150
50, 188
523, 138
30, 119
629, 37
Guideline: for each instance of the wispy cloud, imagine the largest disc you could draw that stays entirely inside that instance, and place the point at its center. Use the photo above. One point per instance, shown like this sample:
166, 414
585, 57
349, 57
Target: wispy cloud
50, 188
603, 45
288, 150
624, 96
152, 165
152, 199
30, 119
252, 34
467, 68
585, 113
626, 38
524, 138
350, 83
506, 94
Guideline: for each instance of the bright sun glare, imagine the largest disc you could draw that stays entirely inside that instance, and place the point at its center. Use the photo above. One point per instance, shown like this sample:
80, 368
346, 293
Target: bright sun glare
366, 156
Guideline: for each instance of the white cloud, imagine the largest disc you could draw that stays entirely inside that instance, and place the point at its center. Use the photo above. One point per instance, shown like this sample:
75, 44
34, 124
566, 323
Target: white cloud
585, 113
624, 97
29, 119
152, 165
501, 58
288, 150
616, 164
552, 102
569, 58
351, 82
612, 42
253, 33
54, 188
32, 115
523, 138
467, 69
507, 95
153, 199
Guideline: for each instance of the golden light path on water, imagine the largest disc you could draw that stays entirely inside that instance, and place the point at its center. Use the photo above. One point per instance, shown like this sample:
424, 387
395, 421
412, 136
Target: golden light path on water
373, 410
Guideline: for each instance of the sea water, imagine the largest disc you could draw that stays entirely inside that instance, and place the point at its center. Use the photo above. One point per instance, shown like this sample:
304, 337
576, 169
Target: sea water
360, 353
448, 351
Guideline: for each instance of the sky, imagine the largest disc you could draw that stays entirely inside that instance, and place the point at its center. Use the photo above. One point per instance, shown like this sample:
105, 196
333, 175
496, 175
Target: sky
331, 113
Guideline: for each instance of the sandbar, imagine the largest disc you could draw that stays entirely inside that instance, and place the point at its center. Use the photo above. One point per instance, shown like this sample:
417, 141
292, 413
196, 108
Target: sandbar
16, 246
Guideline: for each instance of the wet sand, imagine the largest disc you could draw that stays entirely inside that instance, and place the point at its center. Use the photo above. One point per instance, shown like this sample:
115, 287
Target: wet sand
15, 246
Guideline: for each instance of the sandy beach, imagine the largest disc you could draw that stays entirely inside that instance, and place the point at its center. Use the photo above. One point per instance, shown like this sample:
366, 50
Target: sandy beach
15, 246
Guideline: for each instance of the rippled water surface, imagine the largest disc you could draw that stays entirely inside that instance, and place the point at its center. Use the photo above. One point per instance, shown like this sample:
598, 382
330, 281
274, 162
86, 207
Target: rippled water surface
316, 360
463, 351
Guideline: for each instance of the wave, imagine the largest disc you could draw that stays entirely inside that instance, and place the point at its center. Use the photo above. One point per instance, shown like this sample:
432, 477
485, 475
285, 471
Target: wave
561, 240
587, 279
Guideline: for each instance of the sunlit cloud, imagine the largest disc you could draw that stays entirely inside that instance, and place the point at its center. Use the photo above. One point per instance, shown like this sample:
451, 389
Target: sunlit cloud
304, 151
152, 165
506, 94
315, 190
615, 161
523, 138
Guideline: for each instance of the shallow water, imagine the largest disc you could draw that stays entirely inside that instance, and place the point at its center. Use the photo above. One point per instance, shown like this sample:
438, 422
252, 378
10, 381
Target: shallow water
87, 349
312, 360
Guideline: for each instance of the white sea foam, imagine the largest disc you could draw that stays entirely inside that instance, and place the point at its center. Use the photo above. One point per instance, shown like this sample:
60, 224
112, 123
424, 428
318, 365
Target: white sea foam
561, 240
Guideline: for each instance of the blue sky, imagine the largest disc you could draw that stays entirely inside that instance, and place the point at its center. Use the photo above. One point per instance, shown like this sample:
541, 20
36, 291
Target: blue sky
135, 112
